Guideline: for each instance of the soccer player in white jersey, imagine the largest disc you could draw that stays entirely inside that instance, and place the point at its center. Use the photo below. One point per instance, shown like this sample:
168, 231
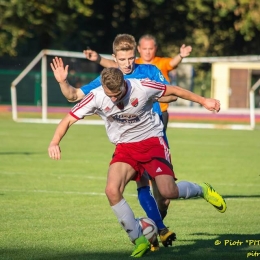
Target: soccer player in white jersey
124, 48
137, 132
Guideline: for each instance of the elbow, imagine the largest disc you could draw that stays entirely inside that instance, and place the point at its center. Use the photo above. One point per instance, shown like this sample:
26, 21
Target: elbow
75, 97
71, 100
174, 98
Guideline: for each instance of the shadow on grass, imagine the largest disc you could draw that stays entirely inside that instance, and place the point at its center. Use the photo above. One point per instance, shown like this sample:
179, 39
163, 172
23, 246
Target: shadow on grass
223, 247
241, 196
20, 153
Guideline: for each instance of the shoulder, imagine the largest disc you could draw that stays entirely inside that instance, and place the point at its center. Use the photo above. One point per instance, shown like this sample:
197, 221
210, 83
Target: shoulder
146, 67
91, 85
162, 60
99, 91
150, 71
138, 61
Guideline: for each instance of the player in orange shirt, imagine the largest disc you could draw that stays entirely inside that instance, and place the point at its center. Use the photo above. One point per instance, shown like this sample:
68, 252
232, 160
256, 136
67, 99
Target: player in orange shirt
147, 47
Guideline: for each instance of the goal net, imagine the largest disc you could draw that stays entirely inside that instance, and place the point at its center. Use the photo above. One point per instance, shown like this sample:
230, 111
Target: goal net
47, 98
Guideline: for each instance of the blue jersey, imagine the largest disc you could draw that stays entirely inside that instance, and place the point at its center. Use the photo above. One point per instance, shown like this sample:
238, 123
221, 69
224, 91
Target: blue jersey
141, 71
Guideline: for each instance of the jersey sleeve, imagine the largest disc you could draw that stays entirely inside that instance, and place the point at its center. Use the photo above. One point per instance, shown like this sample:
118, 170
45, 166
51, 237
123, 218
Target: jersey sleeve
156, 75
153, 89
92, 85
86, 107
166, 63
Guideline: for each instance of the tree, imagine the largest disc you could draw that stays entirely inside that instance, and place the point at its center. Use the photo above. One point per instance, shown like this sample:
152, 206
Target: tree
41, 22
212, 27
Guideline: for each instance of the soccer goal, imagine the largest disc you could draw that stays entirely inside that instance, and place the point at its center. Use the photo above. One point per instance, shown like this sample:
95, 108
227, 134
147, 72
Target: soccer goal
41, 59
43, 104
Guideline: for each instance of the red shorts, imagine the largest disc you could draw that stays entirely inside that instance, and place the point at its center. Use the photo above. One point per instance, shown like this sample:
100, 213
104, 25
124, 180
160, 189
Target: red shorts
151, 155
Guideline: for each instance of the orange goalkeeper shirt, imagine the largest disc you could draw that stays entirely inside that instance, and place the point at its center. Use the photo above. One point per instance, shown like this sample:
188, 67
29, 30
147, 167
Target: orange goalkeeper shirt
163, 64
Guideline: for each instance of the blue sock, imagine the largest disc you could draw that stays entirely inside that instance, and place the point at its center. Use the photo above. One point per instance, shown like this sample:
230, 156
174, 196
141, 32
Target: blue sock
149, 205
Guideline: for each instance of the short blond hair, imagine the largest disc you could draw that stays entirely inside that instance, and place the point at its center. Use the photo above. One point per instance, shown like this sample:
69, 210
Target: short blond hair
124, 42
112, 78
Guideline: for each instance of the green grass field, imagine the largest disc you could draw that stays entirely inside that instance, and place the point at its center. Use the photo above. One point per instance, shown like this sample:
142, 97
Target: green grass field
57, 210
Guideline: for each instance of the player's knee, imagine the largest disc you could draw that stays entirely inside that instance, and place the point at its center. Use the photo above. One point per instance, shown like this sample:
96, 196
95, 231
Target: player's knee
112, 194
109, 191
170, 193
162, 204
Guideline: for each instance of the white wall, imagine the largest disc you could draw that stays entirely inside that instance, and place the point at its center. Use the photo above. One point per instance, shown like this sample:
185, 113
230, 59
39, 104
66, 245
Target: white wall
220, 88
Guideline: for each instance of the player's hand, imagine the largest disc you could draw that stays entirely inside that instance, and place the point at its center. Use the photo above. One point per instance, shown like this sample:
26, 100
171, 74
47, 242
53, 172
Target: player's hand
91, 55
212, 104
54, 151
185, 50
60, 72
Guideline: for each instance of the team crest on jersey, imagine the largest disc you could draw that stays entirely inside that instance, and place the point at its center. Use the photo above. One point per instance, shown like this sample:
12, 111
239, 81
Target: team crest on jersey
134, 102
107, 109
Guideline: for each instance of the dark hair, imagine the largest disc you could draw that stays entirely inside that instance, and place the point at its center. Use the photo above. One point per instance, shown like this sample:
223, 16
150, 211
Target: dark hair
112, 78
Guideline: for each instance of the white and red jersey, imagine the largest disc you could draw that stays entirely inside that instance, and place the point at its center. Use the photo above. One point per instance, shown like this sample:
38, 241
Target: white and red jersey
129, 119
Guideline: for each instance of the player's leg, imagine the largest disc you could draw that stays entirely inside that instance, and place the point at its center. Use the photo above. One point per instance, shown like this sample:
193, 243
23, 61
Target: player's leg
165, 119
119, 175
186, 190
162, 203
166, 236
183, 189
190, 190
148, 203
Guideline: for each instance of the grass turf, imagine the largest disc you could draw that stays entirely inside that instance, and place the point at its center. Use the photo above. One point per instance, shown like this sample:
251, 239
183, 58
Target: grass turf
57, 210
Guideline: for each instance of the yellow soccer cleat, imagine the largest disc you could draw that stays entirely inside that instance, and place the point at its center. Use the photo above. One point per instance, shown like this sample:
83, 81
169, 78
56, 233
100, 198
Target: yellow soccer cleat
167, 237
211, 196
155, 245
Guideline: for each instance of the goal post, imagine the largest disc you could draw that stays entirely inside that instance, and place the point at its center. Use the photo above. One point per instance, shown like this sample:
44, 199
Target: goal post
42, 57
252, 103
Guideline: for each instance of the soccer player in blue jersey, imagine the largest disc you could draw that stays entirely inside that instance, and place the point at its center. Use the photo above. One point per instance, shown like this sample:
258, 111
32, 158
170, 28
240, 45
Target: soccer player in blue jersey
124, 50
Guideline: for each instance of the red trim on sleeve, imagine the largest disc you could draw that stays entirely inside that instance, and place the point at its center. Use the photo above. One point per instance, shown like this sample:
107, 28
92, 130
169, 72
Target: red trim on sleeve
83, 102
164, 91
153, 84
74, 115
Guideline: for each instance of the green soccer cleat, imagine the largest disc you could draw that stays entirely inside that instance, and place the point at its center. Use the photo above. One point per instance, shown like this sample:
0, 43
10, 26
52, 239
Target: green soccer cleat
167, 237
142, 246
211, 196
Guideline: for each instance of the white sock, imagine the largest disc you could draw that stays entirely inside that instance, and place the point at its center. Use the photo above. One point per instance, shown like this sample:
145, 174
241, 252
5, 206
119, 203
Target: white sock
127, 219
189, 190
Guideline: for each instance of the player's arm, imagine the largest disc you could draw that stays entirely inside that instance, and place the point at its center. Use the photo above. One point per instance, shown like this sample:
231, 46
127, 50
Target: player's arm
54, 148
167, 99
184, 52
209, 103
61, 73
155, 74
94, 56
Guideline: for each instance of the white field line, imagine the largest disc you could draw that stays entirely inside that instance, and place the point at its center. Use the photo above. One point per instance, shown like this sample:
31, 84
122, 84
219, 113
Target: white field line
103, 194
105, 177
62, 192
56, 175
240, 185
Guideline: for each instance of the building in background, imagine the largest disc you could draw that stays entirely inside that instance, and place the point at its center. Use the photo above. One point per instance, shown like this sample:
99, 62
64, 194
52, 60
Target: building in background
232, 81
